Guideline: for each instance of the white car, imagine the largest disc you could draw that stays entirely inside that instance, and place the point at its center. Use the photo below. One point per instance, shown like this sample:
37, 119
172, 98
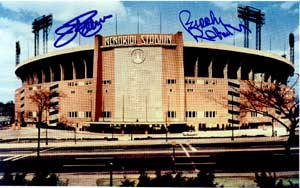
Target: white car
190, 133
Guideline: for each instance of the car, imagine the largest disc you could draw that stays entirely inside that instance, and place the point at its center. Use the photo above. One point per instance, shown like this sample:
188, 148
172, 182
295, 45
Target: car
190, 133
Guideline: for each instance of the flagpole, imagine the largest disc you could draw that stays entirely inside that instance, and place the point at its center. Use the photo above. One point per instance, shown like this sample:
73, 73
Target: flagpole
116, 24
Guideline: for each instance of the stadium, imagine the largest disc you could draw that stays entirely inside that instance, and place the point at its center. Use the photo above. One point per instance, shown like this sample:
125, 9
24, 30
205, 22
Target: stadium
149, 81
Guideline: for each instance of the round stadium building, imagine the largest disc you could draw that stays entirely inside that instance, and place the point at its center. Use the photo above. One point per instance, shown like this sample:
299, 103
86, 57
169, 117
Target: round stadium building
149, 81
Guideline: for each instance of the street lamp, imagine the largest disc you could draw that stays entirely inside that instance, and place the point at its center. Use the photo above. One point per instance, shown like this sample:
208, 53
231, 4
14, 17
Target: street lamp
232, 135
75, 135
110, 174
173, 158
166, 134
112, 132
46, 128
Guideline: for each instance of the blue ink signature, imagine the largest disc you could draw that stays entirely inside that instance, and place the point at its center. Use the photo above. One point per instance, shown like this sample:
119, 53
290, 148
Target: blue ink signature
204, 28
85, 27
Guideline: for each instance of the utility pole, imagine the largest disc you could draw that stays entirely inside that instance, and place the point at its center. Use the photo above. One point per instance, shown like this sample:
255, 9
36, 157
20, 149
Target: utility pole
232, 135
39, 140
75, 133
111, 174
46, 128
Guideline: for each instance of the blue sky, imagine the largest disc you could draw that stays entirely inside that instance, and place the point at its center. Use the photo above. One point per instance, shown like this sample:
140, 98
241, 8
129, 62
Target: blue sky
16, 18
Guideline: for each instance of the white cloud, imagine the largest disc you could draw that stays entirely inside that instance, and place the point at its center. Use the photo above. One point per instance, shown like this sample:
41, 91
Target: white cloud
65, 10
287, 5
10, 32
225, 5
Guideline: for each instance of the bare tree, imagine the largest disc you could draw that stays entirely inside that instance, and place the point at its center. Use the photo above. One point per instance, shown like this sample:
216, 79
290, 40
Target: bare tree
42, 100
262, 98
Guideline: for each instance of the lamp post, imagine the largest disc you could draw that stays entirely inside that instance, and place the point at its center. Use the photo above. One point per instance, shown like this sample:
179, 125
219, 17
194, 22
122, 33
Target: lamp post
112, 132
110, 174
166, 134
232, 135
75, 135
173, 158
46, 128
39, 140
273, 127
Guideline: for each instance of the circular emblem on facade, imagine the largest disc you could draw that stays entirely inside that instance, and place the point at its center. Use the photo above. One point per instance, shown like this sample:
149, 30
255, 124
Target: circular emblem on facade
138, 56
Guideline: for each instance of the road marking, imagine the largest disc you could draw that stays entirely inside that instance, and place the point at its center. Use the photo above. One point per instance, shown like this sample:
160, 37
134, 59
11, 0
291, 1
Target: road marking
81, 165
191, 147
155, 152
262, 146
10, 158
188, 155
294, 148
192, 163
32, 154
89, 158
185, 151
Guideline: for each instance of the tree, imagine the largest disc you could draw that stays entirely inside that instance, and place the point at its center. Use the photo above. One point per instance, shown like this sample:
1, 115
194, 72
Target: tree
269, 180
144, 179
9, 179
262, 97
41, 99
127, 183
205, 178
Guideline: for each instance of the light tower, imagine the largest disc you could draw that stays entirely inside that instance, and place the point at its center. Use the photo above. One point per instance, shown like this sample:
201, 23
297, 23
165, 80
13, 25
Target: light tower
254, 15
291, 42
44, 23
18, 52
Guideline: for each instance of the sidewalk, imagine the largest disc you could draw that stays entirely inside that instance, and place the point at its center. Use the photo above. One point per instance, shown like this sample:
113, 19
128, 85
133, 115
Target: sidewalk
125, 142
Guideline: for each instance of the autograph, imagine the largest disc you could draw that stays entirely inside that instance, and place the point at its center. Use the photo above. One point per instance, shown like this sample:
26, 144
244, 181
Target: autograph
82, 24
204, 28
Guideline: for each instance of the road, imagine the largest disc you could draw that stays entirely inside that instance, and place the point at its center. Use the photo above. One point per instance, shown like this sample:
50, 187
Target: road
219, 157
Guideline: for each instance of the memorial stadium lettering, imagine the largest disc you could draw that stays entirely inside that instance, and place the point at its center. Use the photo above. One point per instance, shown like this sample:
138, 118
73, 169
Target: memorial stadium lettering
129, 40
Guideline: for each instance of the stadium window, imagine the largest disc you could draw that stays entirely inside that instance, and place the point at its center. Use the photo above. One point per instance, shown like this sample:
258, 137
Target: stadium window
106, 114
88, 114
209, 114
253, 114
72, 92
206, 81
171, 81
90, 91
30, 88
190, 90
106, 82
72, 114
210, 90
171, 114
206, 114
190, 114
29, 114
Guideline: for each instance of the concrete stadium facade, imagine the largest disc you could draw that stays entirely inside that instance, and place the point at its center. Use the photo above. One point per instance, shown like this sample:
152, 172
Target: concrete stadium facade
147, 79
